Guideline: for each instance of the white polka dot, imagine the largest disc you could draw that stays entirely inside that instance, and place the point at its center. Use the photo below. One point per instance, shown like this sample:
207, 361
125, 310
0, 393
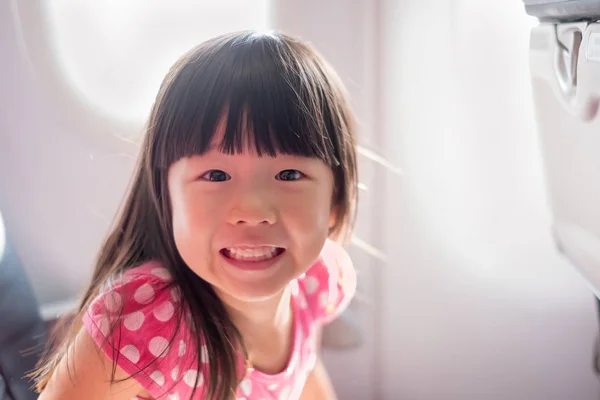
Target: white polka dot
104, 326
323, 299
312, 284
174, 396
162, 273
302, 301
164, 311
181, 348
175, 373
246, 386
273, 386
190, 378
158, 346
176, 295
113, 302
144, 294
158, 377
131, 353
285, 393
134, 321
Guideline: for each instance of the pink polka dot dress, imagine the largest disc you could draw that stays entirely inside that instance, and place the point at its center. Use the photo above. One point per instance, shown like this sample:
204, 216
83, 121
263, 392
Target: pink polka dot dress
144, 311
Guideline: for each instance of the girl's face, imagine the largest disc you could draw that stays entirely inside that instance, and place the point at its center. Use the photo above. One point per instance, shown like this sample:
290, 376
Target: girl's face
248, 224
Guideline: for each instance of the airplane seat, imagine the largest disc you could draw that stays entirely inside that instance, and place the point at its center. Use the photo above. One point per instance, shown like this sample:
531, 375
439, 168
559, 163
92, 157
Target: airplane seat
23, 332
563, 10
564, 54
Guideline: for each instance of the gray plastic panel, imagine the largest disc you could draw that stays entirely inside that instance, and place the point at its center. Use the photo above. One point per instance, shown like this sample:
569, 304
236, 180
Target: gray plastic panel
563, 10
566, 92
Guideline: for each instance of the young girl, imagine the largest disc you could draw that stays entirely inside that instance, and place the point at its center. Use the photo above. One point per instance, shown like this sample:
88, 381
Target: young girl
224, 264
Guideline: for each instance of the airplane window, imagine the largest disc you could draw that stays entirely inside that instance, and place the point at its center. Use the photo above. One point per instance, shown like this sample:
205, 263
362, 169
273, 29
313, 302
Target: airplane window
115, 53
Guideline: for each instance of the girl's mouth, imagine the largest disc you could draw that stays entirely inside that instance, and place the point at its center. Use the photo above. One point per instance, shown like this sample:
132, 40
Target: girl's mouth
252, 254
253, 258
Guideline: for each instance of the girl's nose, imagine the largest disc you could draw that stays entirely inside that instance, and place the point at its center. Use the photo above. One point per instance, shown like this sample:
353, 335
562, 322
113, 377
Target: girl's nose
252, 208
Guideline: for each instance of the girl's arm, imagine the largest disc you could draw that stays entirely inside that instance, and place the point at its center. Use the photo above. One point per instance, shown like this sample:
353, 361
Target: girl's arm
318, 386
88, 376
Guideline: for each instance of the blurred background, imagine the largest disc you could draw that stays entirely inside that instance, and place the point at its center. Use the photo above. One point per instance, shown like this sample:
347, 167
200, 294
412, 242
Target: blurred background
463, 292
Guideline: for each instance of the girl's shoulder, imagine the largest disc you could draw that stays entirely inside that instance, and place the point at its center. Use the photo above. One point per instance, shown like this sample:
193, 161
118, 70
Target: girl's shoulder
329, 285
145, 289
138, 321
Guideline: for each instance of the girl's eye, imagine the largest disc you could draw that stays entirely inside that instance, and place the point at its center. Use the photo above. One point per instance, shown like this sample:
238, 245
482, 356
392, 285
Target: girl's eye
216, 175
289, 175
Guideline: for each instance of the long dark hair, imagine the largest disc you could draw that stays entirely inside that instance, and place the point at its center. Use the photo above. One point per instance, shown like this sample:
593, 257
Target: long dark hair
273, 90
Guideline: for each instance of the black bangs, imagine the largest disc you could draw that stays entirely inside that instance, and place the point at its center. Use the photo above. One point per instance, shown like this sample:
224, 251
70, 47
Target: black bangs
239, 92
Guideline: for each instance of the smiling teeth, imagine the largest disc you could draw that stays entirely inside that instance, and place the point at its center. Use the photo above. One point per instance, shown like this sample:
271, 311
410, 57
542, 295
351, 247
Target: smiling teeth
255, 254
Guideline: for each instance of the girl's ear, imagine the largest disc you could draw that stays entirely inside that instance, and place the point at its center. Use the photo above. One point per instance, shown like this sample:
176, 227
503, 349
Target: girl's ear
333, 217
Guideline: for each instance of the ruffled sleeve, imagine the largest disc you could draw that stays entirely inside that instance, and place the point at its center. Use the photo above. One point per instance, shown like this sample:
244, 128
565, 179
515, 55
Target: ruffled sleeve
134, 322
330, 284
